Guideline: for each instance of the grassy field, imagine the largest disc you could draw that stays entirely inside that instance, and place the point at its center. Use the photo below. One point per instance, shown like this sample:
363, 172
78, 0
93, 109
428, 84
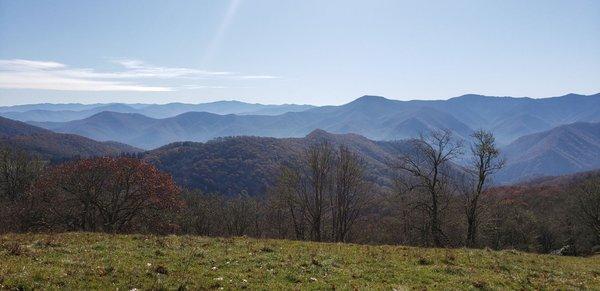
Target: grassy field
125, 262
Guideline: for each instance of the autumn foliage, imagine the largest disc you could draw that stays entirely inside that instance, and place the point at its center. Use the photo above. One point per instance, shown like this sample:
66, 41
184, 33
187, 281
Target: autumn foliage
104, 194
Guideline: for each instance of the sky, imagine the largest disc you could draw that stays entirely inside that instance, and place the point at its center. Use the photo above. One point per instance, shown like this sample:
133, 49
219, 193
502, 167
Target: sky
285, 51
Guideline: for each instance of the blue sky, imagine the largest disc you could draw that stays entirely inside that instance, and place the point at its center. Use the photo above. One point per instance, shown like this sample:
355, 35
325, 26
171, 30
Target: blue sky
284, 51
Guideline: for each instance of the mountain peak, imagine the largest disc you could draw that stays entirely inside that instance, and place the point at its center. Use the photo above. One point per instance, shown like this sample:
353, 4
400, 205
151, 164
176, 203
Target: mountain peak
472, 96
317, 134
370, 98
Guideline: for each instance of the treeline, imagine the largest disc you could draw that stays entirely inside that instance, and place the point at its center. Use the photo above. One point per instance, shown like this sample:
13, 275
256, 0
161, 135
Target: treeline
442, 198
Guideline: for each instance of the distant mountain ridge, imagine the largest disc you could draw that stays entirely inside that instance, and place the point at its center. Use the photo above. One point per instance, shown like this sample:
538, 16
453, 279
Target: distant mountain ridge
55, 146
374, 117
562, 150
69, 112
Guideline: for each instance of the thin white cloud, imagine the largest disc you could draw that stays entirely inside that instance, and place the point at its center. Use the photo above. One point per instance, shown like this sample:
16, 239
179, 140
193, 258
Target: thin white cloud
41, 75
44, 75
44, 81
18, 64
139, 68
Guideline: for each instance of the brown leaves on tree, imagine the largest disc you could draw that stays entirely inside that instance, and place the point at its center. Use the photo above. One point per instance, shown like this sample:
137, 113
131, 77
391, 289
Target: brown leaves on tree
105, 194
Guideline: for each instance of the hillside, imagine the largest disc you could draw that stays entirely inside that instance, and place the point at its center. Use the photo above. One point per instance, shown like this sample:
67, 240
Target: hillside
229, 165
562, 150
54, 146
374, 117
128, 262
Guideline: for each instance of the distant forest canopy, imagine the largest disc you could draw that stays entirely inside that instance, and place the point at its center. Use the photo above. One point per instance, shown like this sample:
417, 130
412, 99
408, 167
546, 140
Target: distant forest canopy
412, 192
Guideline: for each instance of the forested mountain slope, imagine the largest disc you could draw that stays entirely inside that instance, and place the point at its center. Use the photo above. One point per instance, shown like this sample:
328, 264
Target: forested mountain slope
566, 149
54, 146
230, 165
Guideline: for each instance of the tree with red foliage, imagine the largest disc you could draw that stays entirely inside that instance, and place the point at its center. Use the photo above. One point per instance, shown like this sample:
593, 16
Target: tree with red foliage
105, 194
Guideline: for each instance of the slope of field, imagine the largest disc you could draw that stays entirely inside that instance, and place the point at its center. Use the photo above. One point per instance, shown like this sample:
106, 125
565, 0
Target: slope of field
108, 262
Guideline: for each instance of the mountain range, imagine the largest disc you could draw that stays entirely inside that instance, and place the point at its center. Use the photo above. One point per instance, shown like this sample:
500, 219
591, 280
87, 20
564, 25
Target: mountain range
374, 117
68, 112
232, 164
538, 137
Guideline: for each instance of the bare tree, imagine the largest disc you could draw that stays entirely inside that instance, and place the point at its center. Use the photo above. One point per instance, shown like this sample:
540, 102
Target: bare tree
349, 195
304, 191
428, 168
312, 196
240, 214
203, 213
587, 202
485, 161
287, 198
329, 193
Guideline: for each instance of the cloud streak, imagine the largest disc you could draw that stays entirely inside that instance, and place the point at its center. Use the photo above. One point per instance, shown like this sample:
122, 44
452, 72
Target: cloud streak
226, 20
133, 76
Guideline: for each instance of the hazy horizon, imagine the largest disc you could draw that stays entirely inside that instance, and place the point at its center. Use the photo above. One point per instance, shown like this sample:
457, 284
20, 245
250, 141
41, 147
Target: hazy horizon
337, 104
308, 52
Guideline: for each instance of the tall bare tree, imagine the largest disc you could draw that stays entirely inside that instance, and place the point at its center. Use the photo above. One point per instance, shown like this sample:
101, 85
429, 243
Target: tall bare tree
312, 196
287, 198
329, 193
485, 161
428, 167
349, 195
